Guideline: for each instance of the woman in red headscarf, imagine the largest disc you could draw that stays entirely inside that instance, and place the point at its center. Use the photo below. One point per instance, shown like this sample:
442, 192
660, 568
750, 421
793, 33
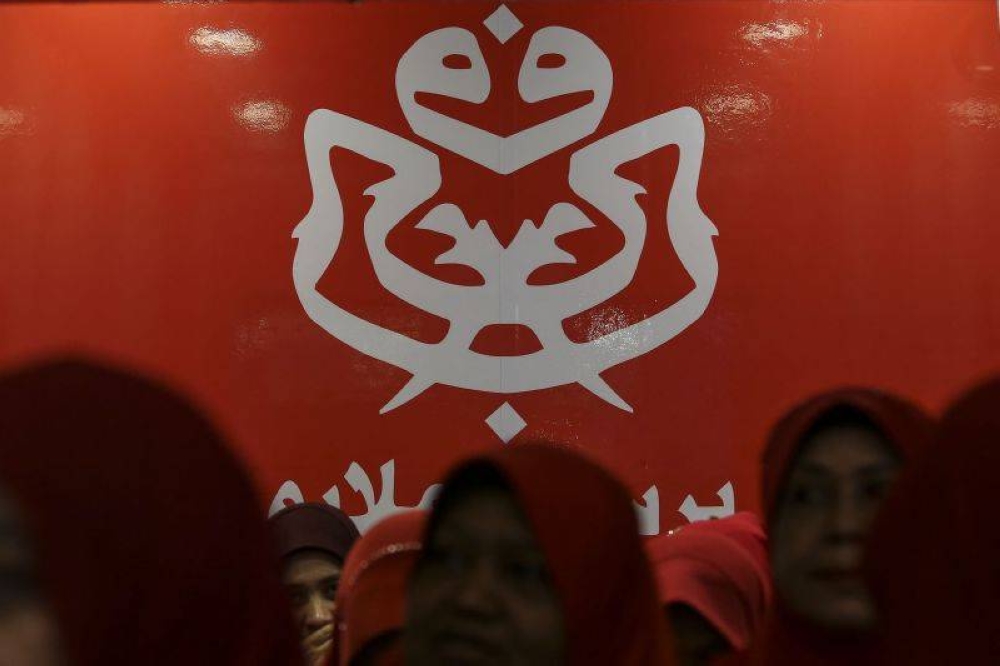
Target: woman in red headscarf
826, 470
934, 564
144, 534
532, 556
371, 601
714, 584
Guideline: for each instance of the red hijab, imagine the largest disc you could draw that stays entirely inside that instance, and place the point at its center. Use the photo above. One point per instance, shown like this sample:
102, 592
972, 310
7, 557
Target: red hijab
586, 526
371, 599
907, 429
934, 561
720, 569
147, 535
313, 526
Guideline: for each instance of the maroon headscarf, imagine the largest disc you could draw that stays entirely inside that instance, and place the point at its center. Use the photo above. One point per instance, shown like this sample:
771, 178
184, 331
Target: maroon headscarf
313, 526
908, 430
371, 599
905, 427
148, 537
934, 559
586, 526
720, 569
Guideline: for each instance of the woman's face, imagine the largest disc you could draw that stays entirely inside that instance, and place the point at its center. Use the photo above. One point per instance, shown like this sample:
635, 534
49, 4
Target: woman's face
311, 578
482, 593
832, 494
28, 635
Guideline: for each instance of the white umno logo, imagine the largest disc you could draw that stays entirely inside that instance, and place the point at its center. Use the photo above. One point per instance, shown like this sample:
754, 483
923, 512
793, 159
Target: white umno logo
505, 297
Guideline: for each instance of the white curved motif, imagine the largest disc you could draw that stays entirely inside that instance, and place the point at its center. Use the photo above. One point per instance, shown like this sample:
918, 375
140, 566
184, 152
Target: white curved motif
585, 68
377, 507
505, 297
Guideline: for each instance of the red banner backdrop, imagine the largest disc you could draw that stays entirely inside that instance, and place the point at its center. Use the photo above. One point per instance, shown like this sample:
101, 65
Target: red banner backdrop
641, 229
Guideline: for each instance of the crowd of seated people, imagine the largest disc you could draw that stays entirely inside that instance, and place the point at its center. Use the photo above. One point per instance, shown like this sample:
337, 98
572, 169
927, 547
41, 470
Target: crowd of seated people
873, 547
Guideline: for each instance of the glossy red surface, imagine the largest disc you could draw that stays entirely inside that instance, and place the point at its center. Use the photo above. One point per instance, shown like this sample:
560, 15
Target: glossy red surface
152, 170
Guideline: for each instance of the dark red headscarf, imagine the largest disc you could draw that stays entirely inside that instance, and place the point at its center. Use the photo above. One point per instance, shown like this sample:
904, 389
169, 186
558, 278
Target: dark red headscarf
907, 429
313, 526
905, 426
371, 599
586, 526
720, 569
934, 559
148, 536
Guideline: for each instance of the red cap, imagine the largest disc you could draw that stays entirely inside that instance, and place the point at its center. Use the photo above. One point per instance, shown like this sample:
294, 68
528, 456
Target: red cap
371, 599
720, 569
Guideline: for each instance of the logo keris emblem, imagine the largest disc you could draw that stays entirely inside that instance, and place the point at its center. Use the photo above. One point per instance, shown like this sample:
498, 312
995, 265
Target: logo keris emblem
505, 297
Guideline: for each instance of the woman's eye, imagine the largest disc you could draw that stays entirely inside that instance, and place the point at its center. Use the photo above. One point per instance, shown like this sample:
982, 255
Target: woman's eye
807, 496
463, 561
525, 571
876, 490
452, 560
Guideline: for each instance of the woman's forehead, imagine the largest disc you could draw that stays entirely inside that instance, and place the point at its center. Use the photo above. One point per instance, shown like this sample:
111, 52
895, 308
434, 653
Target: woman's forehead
488, 514
846, 447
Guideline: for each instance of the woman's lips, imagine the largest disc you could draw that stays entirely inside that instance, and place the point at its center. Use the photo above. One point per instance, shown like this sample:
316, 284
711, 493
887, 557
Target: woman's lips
848, 578
463, 647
